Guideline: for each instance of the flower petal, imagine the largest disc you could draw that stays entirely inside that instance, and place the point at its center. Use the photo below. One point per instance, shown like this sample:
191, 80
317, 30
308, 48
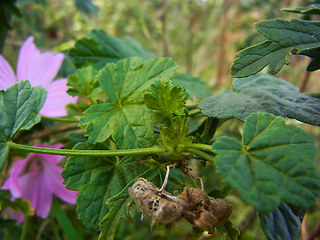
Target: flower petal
54, 179
12, 182
38, 68
57, 99
7, 77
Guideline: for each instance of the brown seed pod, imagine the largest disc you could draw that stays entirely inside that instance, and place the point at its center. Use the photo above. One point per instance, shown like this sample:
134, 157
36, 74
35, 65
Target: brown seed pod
204, 212
160, 205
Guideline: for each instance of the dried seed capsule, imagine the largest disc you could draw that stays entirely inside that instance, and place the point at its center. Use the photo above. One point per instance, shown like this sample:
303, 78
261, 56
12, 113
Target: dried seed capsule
160, 205
204, 212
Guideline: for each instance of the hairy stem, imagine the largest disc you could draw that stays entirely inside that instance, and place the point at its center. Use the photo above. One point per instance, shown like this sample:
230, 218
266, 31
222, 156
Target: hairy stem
60, 119
201, 154
92, 153
200, 146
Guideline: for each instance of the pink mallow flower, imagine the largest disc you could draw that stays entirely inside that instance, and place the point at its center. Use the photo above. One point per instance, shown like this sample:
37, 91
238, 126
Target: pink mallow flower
37, 178
40, 69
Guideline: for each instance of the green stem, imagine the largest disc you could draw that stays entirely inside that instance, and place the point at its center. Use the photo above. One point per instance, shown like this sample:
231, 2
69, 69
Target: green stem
25, 228
92, 153
200, 146
201, 154
60, 119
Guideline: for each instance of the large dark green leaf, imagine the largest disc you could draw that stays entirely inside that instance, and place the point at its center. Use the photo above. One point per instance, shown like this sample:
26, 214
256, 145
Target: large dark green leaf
86, 6
263, 93
125, 117
98, 179
273, 163
19, 108
281, 224
284, 37
100, 48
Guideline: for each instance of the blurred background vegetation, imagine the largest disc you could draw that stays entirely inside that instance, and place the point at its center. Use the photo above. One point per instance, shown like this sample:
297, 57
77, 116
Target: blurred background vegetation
202, 36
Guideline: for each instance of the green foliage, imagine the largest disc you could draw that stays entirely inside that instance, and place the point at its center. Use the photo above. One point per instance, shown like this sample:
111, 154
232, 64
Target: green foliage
283, 38
193, 85
100, 48
119, 207
18, 204
7, 8
231, 231
273, 163
125, 117
312, 9
166, 98
84, 83
282, 223
19, 108
263, 93
98, 179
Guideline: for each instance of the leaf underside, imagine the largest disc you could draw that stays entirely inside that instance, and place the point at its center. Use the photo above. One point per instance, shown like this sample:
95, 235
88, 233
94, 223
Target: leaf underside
273, 163
263, 93
282, 223
283, 37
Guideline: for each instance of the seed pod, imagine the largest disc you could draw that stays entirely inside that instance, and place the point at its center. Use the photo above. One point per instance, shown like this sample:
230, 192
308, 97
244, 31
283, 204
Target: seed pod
204, 212
160, 205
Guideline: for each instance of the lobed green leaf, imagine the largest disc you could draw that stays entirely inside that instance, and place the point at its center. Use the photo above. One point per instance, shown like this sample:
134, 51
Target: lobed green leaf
311, 9
263, 93
98, 179
125, 117
19, 108
166, 98
273, 163
99, 48
283, 38
84, 83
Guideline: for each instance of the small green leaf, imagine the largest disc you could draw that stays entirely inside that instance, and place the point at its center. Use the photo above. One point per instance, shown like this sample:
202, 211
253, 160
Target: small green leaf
280, 224
98, 179
99, 48
273, 163
166, 98
125, 117
19, 108
315, 55
18, 204
84, 83
283, 37
263, 93
193, 85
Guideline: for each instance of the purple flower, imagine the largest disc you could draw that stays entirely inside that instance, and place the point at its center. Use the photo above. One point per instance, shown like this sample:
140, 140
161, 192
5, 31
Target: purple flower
40, 69
36, 178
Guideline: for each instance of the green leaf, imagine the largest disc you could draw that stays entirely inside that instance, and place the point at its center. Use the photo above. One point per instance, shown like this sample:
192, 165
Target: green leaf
19, 108
193, 85
263, 93
166, 98
119, 207
84, 83
98, 179
273, 163
18, 204
99, 48
312, 9
231, 231
86, 6
284, 37
315, 55
280, 224
125, 117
